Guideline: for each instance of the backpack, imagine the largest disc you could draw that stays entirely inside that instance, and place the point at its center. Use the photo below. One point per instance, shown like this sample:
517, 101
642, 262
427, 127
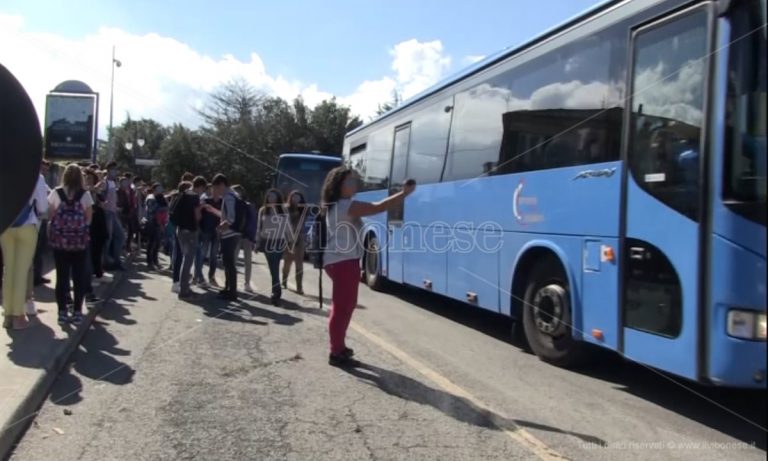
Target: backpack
23, 216
68, 229
242, 212
251, 224
318, 239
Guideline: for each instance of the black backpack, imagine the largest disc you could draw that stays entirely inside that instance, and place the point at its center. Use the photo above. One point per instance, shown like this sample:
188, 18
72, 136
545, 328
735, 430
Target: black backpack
242, 212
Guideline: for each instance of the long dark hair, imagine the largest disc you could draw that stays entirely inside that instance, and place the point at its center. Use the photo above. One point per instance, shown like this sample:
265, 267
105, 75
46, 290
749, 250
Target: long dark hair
332, 186
289, 201
278, 205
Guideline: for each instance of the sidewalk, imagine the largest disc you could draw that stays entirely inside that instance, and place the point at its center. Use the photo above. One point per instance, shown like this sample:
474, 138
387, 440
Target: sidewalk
31, 359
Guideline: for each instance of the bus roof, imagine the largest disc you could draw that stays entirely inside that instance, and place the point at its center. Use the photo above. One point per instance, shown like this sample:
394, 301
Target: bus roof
310, 156
491, 60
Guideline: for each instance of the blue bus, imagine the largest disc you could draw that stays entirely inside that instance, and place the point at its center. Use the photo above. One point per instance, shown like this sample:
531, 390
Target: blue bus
603, 183
304, 172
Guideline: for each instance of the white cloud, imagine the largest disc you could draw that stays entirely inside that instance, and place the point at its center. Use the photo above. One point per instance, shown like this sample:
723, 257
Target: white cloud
165, 79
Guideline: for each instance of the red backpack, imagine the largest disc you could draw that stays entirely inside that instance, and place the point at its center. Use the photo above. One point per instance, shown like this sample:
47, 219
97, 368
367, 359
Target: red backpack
68, 229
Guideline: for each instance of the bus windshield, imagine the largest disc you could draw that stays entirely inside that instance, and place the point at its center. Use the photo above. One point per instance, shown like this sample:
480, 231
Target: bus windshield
304, 174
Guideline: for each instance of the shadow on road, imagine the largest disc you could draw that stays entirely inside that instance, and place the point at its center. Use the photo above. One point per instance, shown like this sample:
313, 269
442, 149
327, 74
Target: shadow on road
736, 412
458, 408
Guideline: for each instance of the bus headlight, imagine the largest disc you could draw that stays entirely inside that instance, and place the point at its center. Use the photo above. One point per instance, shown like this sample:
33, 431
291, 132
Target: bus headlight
747, 324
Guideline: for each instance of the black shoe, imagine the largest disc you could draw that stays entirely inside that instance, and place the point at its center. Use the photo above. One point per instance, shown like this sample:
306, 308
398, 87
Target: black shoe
276, 301
42, 281
63, 318
77, 318
342, 361
348, 352
188, 295
92, 299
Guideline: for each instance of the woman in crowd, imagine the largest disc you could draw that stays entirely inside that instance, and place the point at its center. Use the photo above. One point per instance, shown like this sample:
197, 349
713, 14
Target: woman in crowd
70, 211
272, 227
341, 258
295, 245
18, 244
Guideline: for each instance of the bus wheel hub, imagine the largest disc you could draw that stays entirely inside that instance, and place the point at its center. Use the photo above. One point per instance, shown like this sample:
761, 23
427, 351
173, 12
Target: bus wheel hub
549, 308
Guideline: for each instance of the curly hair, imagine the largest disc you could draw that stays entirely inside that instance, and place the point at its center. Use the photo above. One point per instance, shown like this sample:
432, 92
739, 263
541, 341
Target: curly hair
332, 185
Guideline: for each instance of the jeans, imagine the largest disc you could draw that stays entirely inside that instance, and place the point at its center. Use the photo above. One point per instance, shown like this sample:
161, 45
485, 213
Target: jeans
114, 246
70, 265
176, 258
154, 236
229, 248
247, 247
346, 280
274, 256
188, 247
208, 246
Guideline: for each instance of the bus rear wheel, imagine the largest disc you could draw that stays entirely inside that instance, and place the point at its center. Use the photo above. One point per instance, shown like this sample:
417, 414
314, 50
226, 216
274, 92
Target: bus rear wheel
547, 319
372, 267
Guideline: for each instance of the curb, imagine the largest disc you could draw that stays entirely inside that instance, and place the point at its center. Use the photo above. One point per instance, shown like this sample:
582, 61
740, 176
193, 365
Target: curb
27, 410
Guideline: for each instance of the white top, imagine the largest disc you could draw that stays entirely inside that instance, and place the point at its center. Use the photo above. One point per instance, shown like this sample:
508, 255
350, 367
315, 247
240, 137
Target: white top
272, 226
54, 200
39, 202
344, 234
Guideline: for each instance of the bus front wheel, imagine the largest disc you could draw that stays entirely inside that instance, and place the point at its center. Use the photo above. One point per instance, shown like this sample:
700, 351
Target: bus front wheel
372, 267
547, 320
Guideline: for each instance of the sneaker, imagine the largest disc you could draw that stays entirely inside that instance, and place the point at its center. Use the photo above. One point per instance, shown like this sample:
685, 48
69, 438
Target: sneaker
248, 288
285, 284
202, 283
348, 352
176, 288
63, 318
77, 318
214, 283
342, 361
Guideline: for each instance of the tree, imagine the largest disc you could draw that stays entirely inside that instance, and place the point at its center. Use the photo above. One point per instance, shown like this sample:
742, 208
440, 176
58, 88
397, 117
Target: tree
396, 100
152, 132
180, 152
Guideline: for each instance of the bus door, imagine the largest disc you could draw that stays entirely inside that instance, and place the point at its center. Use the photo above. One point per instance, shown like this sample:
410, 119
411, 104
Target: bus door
662, 251
395, 249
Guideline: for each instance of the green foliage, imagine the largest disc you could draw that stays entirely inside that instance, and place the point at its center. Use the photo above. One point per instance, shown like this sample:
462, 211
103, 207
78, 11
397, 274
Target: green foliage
243, 134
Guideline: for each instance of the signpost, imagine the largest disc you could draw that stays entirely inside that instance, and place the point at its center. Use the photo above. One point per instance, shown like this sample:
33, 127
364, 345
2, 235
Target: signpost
71, 122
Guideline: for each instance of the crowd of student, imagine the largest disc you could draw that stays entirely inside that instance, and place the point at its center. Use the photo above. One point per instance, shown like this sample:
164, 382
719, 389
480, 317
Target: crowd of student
95, 216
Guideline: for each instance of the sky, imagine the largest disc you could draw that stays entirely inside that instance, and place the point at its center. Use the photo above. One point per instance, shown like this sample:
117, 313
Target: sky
175, 52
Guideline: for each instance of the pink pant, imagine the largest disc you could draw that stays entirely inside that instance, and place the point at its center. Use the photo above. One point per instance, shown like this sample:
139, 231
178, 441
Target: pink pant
346, 278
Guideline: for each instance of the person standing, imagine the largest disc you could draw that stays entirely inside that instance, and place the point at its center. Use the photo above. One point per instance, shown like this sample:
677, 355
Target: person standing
113, 248
208, 247
186, 214
296, 239
70, 211
18, 243
230, 239
272, 229
39, 279
248, 238
341, 258
156, 220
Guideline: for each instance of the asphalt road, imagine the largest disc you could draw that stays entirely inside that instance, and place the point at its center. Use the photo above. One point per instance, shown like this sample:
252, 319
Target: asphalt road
157, 378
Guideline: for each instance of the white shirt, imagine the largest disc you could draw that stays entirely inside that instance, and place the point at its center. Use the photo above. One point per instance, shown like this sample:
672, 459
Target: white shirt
39, 202
54, 200
344, 236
